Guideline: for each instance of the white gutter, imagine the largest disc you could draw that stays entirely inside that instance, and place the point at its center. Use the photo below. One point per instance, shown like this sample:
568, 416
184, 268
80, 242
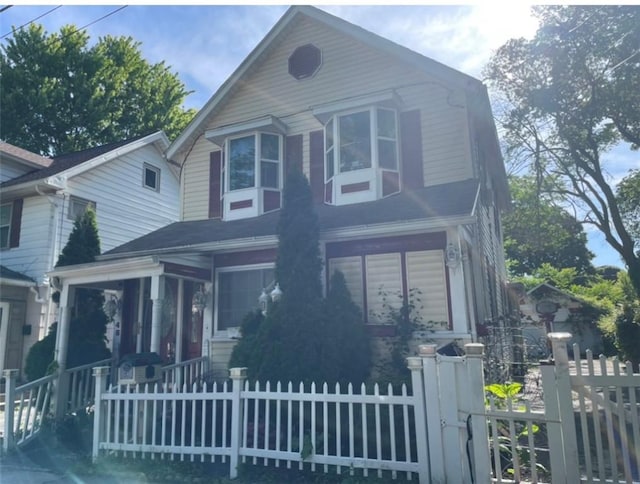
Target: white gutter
16, 282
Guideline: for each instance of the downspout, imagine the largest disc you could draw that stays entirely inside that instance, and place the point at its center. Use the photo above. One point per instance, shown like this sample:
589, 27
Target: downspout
54, 238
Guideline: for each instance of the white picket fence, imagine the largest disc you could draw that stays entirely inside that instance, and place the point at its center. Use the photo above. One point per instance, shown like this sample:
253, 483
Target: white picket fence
339, 429
442, 430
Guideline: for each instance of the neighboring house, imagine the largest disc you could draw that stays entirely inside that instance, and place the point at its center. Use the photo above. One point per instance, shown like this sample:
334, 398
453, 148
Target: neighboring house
130, 186
546, 308
406, 173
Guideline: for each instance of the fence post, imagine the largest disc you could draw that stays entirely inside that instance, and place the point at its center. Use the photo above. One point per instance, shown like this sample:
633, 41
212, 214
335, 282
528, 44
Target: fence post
238, 375
434, 417
415, 365
554, 427
481, 465
10, 377
100, 373
565, 403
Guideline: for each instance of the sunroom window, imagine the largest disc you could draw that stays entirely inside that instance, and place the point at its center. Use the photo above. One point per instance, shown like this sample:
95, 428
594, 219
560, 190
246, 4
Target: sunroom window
255, 160
361, 139
238, 293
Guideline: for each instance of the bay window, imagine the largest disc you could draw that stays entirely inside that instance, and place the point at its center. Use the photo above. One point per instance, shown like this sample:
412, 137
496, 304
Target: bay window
361, 139
255, 161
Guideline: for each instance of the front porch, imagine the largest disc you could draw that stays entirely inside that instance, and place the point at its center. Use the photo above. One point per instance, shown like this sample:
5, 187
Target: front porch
25, 408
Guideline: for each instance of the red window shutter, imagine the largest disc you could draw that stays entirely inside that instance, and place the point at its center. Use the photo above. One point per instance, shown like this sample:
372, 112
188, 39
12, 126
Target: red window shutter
215, 185
316, 170
293, 154
411, 149
16, 222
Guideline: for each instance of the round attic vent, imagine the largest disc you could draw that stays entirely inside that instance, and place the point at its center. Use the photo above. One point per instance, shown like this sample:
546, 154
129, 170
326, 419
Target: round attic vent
305, 61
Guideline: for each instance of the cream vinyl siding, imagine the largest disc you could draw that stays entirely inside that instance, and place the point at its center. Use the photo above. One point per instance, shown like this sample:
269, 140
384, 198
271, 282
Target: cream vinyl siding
349, 68
195, 182
351, 268
426, 274
384, 280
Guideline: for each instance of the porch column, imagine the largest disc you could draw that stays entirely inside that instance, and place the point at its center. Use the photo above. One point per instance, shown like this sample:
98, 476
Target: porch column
157, 298
140, 316
67, 296
179, 320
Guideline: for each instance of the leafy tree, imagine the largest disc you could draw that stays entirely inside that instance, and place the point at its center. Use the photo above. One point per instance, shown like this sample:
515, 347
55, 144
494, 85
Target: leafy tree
568, 96
628, 196
537, 231
303, 338
87, 342
628, 334
59, 94
348, 336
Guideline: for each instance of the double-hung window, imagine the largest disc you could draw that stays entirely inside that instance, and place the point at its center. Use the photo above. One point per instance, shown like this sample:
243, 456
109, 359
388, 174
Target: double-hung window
255, 161
5, 224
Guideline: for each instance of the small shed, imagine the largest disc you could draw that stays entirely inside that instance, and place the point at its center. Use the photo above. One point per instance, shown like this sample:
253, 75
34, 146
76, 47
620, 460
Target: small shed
546, 308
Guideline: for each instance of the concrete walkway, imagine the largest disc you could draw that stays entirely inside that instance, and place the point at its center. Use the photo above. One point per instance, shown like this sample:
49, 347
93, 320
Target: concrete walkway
37, 464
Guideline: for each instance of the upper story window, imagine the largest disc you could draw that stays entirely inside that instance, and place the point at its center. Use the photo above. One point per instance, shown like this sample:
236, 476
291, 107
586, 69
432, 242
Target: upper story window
151, 177
78, 206
361, 139
255, 161
5, 224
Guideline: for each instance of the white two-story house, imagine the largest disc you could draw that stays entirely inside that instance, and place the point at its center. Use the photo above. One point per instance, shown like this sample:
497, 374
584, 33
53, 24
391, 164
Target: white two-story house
129, 184
403, 160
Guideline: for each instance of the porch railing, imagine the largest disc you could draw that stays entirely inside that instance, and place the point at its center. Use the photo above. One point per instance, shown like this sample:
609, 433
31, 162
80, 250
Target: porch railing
81, 385
185, 372
25, 408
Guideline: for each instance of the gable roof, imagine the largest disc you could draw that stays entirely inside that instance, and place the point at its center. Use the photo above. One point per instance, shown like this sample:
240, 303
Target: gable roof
293, 14
544, 289
431, 206
23, 156
92, 157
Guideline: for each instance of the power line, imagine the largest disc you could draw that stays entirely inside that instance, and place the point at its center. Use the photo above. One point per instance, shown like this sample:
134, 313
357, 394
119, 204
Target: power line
28, 23
6, 7
102, 18
72, 32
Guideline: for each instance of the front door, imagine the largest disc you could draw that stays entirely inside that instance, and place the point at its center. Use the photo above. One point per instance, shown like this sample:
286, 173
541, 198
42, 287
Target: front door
192, 331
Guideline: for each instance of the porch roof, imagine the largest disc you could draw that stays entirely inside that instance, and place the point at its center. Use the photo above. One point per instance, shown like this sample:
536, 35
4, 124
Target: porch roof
434, 206
11, 277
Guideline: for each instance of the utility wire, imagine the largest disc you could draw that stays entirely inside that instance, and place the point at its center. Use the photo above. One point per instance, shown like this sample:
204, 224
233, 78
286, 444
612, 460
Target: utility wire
102, 18
72, 32
6, 7
28, 23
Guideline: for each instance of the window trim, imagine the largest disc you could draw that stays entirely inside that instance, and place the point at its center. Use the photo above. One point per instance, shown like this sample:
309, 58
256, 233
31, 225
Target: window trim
225, 333
149, 167
74, 199
9, 225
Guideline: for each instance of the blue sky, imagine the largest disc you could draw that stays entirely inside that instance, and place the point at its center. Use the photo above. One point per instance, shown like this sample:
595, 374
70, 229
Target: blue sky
204, 44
